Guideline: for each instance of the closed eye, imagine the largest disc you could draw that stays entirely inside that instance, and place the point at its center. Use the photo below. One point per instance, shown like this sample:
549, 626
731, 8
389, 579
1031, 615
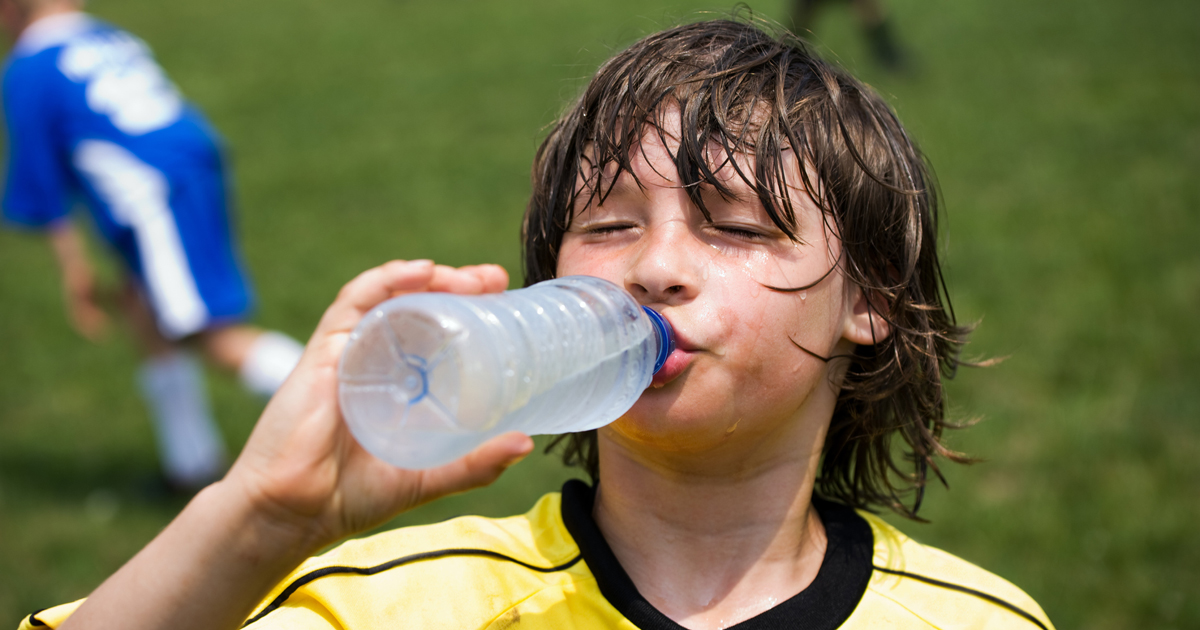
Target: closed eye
602, 229
740, 232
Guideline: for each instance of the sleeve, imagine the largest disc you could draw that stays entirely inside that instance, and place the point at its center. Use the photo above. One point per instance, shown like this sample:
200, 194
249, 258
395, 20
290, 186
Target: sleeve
49, 617
306, 615
36, 188
291, 618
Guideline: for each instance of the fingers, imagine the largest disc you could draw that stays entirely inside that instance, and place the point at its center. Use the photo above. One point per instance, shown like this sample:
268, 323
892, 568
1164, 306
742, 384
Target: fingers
478, 468
470, 280
370, 288
494, 277
397, 277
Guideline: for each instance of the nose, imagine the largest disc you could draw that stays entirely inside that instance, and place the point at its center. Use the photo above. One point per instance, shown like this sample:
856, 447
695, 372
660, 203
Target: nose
668, 268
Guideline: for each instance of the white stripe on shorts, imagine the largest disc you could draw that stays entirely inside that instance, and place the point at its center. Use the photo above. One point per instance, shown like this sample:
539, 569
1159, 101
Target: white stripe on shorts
137, 194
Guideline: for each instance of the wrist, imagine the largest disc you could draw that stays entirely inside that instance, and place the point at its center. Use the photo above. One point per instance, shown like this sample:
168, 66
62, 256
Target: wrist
259, 532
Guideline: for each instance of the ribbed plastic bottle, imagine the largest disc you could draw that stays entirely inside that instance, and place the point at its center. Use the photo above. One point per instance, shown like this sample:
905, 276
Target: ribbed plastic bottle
427, 377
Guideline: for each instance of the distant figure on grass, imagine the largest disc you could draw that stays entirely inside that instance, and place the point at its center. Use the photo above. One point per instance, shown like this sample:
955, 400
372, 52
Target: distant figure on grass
90, 114
876, 28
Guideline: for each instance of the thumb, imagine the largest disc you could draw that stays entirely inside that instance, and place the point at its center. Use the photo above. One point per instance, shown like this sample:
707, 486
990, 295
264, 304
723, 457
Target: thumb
478, 468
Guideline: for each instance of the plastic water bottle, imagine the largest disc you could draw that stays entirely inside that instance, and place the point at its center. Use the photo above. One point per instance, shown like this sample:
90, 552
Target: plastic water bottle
427, 377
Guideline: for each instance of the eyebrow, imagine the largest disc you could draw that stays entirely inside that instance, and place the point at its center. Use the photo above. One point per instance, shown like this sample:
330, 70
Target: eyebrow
622, 185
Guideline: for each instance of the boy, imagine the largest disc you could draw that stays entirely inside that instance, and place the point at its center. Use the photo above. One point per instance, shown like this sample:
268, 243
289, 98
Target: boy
90, 113
773, 210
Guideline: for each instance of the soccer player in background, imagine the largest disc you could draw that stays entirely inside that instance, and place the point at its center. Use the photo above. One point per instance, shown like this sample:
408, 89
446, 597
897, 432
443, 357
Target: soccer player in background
91, 116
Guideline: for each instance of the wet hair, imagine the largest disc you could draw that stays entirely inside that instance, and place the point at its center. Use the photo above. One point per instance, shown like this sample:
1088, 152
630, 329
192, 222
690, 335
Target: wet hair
759, 93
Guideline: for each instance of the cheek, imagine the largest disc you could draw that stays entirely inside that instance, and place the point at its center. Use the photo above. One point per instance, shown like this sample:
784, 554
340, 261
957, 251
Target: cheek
577, 260
769, 341
768, 327
777, 376
755, 324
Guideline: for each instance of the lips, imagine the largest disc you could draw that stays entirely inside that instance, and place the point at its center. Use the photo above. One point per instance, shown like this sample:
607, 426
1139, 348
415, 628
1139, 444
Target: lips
676, 363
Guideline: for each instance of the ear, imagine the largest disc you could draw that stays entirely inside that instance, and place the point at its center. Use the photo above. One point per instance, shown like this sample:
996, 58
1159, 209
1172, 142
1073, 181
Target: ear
863, 323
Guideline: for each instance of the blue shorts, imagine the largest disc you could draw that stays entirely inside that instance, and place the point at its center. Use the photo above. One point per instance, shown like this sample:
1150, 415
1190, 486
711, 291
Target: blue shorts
176, 241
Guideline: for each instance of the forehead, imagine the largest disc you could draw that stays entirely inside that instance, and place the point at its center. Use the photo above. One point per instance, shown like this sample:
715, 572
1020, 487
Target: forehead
661, 156
656, 146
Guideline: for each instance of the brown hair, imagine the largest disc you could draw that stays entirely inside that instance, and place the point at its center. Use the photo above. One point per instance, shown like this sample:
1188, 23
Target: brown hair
762, 94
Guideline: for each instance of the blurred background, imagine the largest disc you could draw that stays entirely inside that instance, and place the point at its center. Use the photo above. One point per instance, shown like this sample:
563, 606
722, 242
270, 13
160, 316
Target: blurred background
1066, 137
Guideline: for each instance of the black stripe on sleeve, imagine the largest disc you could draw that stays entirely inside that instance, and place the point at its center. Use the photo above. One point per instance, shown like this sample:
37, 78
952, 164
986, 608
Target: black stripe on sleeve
34, 621
970, 591
391, 564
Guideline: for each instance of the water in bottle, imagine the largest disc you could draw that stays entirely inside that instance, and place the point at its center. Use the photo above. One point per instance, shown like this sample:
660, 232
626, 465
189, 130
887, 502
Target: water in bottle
427, 377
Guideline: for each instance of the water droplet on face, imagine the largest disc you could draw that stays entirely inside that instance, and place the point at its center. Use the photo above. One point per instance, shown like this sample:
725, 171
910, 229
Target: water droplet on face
804, 295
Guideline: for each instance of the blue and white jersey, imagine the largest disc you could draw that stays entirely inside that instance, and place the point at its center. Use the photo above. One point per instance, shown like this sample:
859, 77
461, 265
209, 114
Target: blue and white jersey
91, 115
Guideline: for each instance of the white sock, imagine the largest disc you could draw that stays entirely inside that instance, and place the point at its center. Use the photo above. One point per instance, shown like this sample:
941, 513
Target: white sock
189, 441
269, 362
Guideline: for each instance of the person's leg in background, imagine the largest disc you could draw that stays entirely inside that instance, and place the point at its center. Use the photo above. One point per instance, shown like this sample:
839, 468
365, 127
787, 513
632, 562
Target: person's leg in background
171, 380
878, 31
872, 19
802, 16
262, 359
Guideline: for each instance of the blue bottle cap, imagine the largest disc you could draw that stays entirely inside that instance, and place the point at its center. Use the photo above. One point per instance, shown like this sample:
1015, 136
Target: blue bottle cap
666, 337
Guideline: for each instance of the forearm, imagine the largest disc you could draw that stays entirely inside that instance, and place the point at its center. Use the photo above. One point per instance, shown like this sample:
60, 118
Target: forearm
70, 252
206, 570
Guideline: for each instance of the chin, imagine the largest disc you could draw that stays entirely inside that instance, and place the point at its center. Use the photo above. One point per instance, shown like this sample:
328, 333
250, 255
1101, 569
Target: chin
668, 424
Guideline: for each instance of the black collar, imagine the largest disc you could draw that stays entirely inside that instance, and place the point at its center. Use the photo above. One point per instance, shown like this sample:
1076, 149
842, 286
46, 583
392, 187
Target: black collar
825, 604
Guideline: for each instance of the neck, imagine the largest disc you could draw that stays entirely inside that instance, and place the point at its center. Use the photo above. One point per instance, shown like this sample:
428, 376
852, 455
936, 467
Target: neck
761, 540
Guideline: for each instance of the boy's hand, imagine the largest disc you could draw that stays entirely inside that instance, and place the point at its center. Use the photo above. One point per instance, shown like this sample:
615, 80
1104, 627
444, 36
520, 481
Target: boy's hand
301, 483
84, 306
80, 292
301, 467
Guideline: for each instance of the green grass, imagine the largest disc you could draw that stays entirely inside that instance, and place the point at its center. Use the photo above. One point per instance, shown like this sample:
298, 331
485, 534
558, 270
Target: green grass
1066, 137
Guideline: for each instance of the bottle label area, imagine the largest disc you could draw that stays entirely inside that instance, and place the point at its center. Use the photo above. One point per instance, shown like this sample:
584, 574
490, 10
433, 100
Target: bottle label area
425, 377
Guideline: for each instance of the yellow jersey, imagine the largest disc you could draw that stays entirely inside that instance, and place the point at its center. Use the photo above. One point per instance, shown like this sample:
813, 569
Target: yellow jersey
551, 569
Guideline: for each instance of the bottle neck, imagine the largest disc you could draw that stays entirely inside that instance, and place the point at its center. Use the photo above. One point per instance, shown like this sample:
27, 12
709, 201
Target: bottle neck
663, 334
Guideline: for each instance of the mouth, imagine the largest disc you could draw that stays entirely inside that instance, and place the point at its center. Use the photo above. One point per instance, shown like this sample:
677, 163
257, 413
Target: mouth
677, 362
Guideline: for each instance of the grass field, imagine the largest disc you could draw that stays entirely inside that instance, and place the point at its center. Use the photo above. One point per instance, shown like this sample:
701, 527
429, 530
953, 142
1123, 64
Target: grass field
1066, 137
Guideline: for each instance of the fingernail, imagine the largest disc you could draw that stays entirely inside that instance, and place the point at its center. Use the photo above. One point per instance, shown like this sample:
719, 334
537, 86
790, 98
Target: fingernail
421, 261
513, 460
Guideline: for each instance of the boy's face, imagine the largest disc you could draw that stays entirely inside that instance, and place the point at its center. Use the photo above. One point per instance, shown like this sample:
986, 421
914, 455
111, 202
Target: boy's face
736, 384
